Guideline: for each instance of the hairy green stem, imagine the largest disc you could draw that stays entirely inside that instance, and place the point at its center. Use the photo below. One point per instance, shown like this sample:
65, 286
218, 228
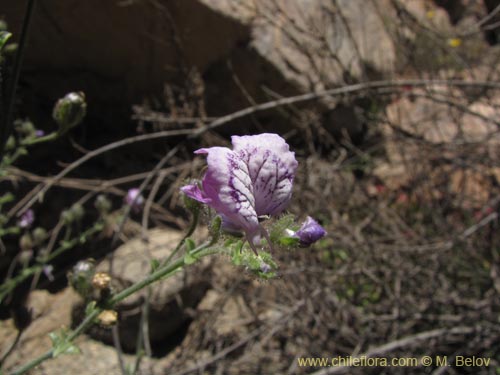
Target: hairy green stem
9, 285
160, 273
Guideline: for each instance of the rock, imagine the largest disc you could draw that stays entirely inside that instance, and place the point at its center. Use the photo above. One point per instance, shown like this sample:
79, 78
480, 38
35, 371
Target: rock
421, 130
245, 51
171, 298
119, 51
50, 312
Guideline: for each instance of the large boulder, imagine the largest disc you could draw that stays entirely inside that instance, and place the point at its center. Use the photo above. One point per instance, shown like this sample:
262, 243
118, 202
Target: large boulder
122, 51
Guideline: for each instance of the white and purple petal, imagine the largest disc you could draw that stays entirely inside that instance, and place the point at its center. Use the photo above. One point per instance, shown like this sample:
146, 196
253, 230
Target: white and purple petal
271, 167
228, 185
193, 191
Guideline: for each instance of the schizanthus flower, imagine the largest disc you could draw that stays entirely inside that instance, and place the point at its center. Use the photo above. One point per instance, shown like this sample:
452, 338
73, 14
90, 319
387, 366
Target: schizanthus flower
253, 179
310, 232
27, 219
135, 200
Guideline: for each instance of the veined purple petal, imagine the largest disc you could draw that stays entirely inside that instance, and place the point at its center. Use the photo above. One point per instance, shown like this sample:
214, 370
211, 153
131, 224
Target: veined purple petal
193, 191
271, 166
252, 180
228, 185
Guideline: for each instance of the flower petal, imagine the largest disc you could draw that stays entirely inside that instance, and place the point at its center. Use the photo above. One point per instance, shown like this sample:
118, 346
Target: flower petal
228, 185
194, 192
271, 167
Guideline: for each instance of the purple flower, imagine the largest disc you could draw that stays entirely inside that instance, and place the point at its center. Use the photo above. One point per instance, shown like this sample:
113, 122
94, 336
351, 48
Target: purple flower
47, 270
27, 219
135, 200
39, 133
253, 179
310, 232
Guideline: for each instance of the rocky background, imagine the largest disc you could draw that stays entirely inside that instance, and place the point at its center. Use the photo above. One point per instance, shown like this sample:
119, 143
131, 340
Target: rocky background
405, 178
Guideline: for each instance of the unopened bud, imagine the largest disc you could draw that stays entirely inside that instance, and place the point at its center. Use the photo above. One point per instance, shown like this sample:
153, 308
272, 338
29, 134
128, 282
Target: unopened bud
25, 128
70, 110
310, 232
81, 277
25, 257
26, 242
10, 144
78, 211
39, 235
102, 204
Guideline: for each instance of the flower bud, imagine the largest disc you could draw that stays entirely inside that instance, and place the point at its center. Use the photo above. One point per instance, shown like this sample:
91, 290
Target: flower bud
39, 235
25, 128
81, 277
25, 256
70, 110
78, 211
102, 204
26, 242
67, 216
10, 144
310, 232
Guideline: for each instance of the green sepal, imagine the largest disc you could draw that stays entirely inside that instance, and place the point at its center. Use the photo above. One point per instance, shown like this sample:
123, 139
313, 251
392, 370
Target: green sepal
189, 259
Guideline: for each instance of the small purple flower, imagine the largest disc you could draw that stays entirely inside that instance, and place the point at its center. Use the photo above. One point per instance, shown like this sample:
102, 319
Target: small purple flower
27, 219
265, 268
253, 179
39, 133
310, 232
135, 200
47, 270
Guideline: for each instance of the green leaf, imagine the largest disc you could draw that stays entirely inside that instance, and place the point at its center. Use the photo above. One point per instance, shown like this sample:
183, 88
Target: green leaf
61, 344
6, 198
289, 241
4, 37
190, 245
90, 308
155, 263
189, 259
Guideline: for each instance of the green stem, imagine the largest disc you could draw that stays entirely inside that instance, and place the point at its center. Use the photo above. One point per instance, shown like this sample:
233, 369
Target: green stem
35, 140
200, 252
160, 273
192, 227
89, 320
9, 285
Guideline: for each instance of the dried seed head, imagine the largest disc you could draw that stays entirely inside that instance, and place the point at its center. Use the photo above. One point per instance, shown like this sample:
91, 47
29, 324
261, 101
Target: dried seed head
108, 318
101, 280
